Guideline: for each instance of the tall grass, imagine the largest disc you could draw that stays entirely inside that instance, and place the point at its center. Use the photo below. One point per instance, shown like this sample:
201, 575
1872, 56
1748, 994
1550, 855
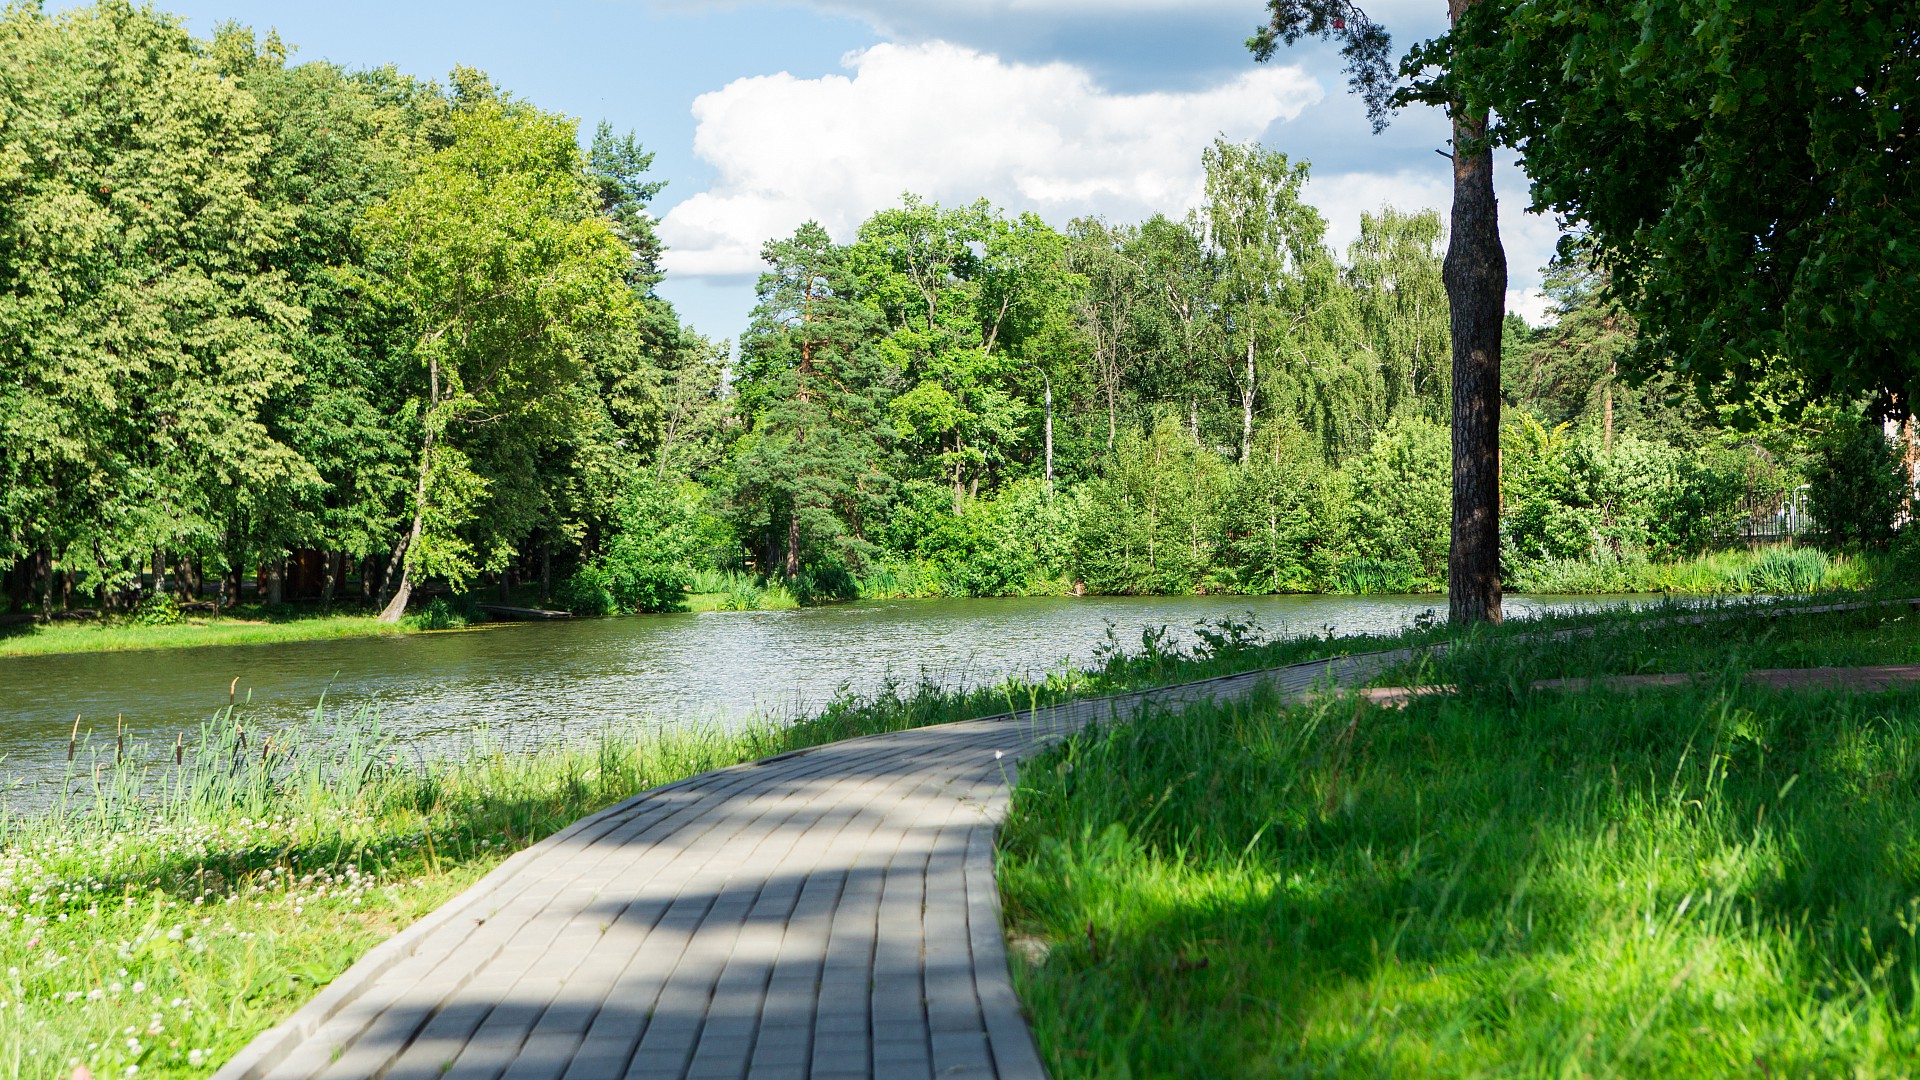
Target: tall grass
731, 590
1776, 570
1711, 881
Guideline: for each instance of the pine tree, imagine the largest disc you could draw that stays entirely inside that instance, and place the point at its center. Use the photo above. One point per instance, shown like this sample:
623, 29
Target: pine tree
813, 467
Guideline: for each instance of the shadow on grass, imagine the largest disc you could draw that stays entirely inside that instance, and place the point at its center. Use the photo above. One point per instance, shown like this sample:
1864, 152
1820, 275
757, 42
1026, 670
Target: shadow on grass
1706, 881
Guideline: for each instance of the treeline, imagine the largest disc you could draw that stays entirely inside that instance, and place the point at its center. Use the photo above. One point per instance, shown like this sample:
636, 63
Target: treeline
352, 331
292, 319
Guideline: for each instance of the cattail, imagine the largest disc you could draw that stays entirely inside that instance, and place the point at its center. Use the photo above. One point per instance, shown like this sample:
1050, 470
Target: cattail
179, 748
73, 737
119, 736
231, 687
266, 748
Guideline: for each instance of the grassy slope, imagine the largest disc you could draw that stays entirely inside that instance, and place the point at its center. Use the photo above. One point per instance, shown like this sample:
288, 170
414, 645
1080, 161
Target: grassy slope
1713, 881
34, 640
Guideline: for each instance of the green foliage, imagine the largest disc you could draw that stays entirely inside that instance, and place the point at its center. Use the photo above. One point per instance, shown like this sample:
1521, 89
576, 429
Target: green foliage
1571, 499
1402, 495
143, 325
250, 307
496, 250
1283, 520
810, 473
1147, 523
1745, 170
645, 567
1859, 485
157, 609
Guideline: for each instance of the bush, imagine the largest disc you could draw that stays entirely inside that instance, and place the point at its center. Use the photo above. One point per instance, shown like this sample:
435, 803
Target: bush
158, 609
646, 565
1283, 521
1147, 524
1859, 485
1402, 503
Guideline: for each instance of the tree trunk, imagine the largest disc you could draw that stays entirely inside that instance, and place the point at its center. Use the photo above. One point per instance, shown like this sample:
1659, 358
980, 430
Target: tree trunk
397, 606
186, 578
1049, 439
546, 572
1246, 407
959, 480
1476, 280
46, 584
276, 572
403, 552
792, 564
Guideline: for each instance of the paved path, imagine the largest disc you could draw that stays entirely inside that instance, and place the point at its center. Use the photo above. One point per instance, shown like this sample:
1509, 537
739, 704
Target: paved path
827, 913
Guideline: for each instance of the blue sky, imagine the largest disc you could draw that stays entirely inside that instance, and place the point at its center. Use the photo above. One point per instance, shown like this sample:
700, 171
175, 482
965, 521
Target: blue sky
763, 114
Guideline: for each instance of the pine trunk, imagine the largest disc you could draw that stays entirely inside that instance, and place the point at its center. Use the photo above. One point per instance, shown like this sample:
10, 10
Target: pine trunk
793, 546
1476, 280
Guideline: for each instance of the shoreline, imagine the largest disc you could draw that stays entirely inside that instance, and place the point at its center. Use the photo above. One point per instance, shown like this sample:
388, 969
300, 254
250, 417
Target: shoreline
80, 638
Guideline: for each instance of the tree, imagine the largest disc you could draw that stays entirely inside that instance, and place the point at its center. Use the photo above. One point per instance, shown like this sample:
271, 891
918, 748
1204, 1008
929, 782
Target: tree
811, 468
497, 251
1746, 174
143, 323
1475, 272
1395, 271
1265, 243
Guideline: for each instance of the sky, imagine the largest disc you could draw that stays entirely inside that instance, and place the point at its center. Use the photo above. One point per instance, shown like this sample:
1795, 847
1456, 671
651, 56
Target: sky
765, 114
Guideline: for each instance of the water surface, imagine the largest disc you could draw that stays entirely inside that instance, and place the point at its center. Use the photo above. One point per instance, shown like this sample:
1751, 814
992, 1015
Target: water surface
528, 683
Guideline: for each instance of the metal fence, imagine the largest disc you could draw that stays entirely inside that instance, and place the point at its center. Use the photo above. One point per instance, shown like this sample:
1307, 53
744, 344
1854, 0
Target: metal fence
1780, 516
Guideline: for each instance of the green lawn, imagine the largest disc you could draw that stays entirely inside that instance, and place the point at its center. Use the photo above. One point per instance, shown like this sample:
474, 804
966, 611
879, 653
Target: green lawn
252, 628
1713, 881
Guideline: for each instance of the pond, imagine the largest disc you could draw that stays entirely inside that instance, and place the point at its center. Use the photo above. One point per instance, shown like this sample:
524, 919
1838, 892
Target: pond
528, 683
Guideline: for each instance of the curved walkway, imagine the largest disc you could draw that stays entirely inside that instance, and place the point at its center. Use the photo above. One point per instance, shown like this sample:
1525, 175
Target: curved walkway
826, 913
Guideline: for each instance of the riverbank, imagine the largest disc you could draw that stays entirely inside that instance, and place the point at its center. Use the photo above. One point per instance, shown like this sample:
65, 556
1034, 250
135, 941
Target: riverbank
250, 625
43, 639
144, 928
1702, 880
161, 927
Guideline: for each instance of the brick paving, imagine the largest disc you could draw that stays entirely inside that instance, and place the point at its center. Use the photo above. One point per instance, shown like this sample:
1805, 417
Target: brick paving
823, 914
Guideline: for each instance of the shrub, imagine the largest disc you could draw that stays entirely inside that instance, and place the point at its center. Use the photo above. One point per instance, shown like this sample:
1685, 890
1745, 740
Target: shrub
646, 563
1859, 485
158, 609
1148, 522
1402, 502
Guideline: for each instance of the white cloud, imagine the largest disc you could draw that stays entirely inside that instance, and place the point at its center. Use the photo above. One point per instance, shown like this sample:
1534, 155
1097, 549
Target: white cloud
951, 124
1529, 239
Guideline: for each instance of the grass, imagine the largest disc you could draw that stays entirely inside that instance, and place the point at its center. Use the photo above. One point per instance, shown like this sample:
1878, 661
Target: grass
1780, 570
163, 917
252, 628
725, 590
1707, 881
